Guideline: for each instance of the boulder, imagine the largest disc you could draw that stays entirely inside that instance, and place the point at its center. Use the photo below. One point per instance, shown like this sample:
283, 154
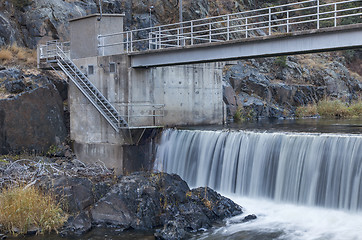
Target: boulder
147, 201
32, 121
249, 218
75, 193
77, 225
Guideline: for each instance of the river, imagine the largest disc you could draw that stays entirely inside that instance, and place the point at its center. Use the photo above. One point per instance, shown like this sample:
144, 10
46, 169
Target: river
303, 179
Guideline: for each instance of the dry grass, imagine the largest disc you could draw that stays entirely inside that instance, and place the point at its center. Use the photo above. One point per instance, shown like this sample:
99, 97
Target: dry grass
25, 208
331, 109
306, 111
355, 108
15, 55
5, 55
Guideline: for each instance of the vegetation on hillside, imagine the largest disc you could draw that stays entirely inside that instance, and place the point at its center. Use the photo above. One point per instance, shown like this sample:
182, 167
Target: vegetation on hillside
19, 56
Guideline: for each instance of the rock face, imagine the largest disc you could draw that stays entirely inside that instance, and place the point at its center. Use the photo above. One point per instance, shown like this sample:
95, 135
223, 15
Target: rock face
148, 201
33, 120
155, 202
274, 87
266, 87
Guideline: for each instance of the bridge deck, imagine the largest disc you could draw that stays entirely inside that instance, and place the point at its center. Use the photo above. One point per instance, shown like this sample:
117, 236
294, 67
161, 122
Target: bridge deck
309, 41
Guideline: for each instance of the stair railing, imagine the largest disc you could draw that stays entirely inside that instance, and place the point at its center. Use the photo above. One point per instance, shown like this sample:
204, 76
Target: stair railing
97, 98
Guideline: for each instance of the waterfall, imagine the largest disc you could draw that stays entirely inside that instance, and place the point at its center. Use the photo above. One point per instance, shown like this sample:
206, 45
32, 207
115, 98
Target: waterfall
303, 168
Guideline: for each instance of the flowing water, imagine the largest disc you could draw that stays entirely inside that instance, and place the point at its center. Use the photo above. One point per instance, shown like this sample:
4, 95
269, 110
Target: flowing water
301, 185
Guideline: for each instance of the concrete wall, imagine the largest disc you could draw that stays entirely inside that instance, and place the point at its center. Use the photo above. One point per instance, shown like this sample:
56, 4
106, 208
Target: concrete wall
191, 95
85, 30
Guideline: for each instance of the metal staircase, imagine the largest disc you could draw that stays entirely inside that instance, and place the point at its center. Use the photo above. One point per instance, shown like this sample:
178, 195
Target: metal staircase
55, 54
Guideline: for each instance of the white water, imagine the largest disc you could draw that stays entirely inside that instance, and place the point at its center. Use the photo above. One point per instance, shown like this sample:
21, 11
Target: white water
288, 221
301, 186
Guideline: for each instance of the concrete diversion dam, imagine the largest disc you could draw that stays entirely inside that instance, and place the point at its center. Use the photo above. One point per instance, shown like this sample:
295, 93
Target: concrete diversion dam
300, 185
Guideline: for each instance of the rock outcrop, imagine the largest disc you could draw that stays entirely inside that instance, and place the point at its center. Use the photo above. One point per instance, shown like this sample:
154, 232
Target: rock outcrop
31, 114
266, 87
155, 202
147, 201
275, 87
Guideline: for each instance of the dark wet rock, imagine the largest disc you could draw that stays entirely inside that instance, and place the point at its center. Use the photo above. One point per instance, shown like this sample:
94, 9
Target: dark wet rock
249, 218
147, 201
100, 189
172, 230
16, 86
77, 225
33, 231
75, 193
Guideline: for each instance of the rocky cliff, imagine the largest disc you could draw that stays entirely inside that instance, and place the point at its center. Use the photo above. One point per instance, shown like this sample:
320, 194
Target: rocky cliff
275, 87
265, 87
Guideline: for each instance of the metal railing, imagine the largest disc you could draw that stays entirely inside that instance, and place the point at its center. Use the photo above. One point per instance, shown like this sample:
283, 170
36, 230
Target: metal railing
50, 50
299, 16
125, 116
145, 113
86, 87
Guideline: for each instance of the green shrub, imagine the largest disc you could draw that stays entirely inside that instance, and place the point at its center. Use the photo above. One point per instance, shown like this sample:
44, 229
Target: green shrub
243, 114
281, 61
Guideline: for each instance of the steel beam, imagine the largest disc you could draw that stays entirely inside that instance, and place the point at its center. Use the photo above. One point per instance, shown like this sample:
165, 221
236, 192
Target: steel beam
322, 40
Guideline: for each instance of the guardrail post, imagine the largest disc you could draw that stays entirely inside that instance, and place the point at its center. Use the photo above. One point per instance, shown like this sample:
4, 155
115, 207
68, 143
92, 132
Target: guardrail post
246, 27
131, 41
192, 33
127, 41
209, 32
317, 14
149, 40
178, 37
287, 21
228, 28
269, 21
159, 38
335, 14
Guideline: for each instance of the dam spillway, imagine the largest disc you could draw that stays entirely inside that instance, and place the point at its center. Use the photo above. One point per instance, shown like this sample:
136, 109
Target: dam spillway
303, 168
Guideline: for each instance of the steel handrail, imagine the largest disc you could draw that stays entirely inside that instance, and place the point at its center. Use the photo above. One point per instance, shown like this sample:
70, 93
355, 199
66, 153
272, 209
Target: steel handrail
80, 75
220, 28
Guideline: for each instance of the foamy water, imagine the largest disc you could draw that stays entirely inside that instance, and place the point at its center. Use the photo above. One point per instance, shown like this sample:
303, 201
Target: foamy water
289, 222
300, 185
